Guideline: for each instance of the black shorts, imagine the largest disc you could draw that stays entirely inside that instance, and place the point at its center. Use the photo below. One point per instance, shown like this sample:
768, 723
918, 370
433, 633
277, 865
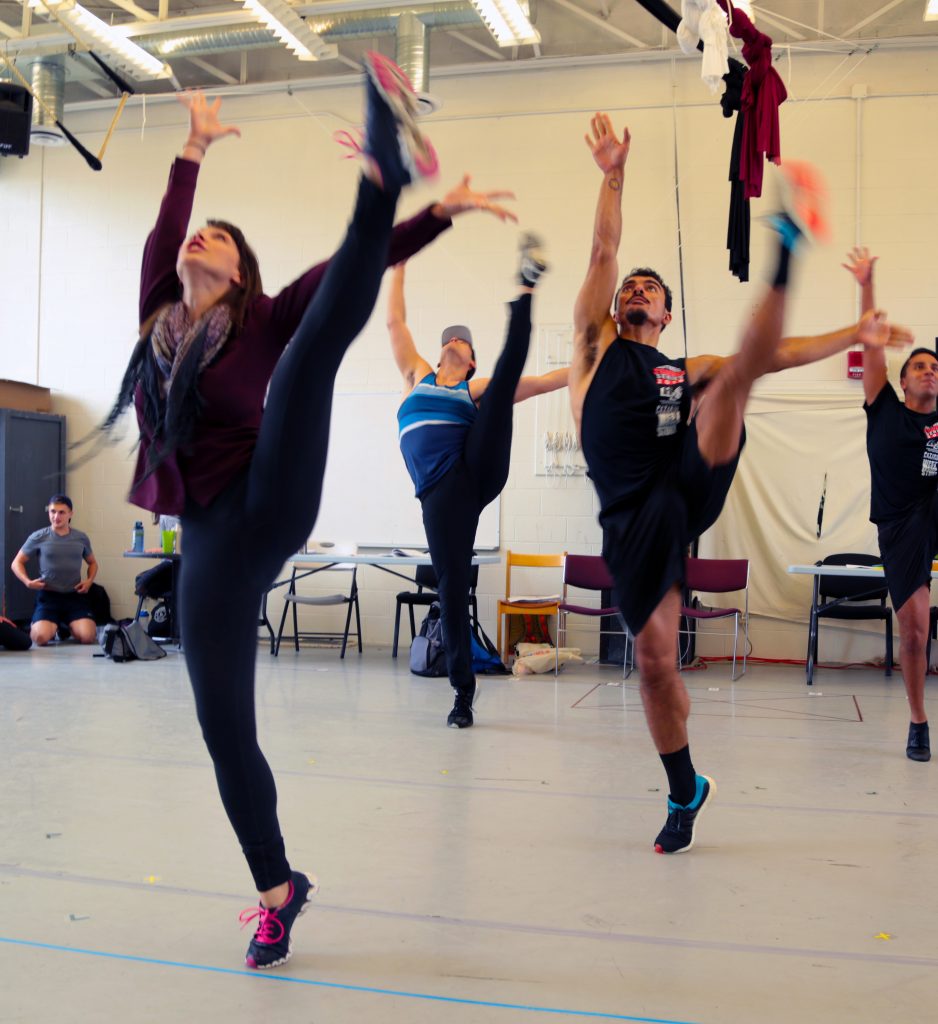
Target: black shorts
644, 543
907, 547
53, 606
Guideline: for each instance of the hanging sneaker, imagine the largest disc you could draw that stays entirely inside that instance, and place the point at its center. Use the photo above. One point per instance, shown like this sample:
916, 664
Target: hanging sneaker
803, 199
533, 260
917, 748
677, 836
393, 143
272, 944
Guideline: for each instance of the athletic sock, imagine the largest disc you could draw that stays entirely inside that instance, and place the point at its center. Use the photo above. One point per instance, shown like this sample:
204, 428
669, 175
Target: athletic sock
682, 779
789, 234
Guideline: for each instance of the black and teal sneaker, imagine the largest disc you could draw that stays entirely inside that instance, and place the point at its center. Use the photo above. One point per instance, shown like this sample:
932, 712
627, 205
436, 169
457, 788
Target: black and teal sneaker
677, 836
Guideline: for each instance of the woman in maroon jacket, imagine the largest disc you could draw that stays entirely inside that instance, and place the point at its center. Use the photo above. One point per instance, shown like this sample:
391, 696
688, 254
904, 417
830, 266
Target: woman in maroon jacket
244, 474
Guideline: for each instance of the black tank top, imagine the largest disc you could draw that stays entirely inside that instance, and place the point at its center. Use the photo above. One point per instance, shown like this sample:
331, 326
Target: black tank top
634, 420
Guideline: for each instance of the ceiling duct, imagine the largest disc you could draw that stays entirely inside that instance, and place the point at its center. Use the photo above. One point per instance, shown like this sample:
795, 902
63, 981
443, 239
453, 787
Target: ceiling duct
409, 25
48, 83
413, 55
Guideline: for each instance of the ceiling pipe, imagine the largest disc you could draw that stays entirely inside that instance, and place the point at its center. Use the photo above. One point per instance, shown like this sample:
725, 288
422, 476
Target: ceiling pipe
47, 78
204, 42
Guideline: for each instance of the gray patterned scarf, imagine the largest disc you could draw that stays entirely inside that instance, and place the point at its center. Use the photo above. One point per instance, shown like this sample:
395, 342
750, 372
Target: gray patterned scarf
174, 334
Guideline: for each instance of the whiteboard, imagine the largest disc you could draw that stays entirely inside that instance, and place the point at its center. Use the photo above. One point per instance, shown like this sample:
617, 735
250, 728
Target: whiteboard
368, 496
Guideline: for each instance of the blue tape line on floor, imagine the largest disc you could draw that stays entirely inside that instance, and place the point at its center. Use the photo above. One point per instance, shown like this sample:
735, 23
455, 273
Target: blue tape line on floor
364, 989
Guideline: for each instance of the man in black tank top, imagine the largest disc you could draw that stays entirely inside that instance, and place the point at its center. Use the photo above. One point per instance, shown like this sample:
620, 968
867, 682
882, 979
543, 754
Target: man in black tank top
902, 445
661, 453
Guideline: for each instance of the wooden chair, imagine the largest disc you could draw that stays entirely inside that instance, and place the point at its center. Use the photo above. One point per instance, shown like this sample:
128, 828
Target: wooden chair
527, 605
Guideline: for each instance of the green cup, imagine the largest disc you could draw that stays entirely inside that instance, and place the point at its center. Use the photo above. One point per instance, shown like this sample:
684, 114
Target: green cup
169, 541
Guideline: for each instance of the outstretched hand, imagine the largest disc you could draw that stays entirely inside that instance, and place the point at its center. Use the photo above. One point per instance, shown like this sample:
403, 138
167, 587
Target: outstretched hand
875, 331
608, 151
860, 264
463, 197
204, 124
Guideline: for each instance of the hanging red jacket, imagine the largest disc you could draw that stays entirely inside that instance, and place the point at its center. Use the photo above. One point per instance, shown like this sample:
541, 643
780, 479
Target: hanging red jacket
763, 93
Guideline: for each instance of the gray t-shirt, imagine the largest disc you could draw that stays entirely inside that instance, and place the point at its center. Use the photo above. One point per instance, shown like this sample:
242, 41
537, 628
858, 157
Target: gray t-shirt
60, 558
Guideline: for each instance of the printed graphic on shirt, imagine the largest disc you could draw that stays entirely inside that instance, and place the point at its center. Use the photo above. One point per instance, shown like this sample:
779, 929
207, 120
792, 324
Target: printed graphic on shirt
930, 456
670, 381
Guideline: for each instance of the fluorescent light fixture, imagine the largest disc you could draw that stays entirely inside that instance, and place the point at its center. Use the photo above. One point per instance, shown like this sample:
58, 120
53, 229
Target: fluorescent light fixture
508, 22
107, 40
290, 29
931, 10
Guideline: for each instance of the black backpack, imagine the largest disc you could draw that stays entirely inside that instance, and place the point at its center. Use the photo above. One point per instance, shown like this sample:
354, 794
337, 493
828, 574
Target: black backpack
99, 604
427, 657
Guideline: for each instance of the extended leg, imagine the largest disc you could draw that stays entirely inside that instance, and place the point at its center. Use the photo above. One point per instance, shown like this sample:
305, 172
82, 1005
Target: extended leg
285, 482
488, 446
720, 415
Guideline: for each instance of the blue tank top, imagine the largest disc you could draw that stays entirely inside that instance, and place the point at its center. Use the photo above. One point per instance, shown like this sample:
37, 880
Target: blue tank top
433, 421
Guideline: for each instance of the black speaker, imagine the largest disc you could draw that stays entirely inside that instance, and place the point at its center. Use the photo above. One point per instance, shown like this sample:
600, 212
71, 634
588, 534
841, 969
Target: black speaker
16, 111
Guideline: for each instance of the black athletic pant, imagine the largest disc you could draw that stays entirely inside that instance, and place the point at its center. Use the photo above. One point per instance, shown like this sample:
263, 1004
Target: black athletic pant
451, 508
14, 639
235, 547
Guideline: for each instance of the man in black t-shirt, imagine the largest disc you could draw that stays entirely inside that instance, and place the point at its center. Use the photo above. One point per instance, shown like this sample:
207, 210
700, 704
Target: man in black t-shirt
902, 444
661, 456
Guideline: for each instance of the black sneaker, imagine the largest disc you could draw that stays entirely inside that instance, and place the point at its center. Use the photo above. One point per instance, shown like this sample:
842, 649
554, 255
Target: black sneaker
393, 142
677, 836
272, 944
917, 748
461, 715
533, 262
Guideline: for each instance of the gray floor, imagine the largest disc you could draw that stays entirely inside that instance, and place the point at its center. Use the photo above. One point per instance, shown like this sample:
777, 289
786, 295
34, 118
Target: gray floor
496, 875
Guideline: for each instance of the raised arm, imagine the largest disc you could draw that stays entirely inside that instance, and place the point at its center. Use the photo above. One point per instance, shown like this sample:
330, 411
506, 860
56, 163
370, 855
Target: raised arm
872, 327
591, 311
412, 365
158, 281
407, 239
860, 265
872, 330
528, 387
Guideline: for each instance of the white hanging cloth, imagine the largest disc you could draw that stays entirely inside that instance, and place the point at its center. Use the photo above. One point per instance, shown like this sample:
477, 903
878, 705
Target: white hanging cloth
704, 20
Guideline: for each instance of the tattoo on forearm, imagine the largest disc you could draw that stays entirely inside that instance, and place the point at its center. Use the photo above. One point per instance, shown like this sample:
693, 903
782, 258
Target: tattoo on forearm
615, 184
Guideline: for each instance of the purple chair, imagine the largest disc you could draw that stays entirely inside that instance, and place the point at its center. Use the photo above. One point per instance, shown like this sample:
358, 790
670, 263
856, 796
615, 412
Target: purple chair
590, 572
718, 576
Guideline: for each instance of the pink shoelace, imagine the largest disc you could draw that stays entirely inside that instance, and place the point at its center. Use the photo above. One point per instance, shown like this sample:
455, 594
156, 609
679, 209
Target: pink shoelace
269, 927
352, 141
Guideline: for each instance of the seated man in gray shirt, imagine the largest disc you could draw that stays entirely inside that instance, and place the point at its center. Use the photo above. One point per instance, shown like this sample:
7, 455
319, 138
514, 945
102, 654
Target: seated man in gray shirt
61, 593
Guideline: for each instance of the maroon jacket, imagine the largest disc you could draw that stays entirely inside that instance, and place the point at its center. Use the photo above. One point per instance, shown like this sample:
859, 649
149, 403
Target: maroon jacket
233, 387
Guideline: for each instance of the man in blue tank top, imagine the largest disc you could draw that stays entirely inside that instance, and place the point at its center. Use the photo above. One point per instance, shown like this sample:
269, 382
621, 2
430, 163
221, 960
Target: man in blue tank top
455, 436
661, 451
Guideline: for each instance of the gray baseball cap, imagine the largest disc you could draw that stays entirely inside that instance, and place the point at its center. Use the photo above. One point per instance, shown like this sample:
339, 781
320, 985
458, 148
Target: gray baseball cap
456, 331
460, 332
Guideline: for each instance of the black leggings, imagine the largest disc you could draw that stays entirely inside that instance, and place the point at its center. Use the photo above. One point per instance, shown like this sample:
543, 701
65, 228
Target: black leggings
451, 508
236, 546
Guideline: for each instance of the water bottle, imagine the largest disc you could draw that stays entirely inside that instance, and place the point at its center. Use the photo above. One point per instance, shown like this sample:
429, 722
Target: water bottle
144, 619
137, 537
